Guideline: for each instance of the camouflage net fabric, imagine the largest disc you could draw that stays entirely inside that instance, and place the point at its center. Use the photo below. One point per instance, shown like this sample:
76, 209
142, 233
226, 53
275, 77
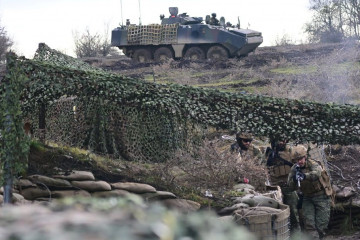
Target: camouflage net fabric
152, 34
140, 120
45, 53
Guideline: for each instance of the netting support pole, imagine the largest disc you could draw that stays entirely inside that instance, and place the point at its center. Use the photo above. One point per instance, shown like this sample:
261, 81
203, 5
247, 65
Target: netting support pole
8, 126
42, 123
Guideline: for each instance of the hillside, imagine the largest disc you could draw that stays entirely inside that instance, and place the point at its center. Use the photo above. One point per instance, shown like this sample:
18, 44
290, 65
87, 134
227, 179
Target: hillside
324, 73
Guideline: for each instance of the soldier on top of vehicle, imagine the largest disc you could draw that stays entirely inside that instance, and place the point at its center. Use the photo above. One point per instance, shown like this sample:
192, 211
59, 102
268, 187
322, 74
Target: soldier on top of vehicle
308, 176
213, 20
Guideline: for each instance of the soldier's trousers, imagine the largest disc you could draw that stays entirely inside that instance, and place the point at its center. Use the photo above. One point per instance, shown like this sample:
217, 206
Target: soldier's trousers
316, 211
291, 199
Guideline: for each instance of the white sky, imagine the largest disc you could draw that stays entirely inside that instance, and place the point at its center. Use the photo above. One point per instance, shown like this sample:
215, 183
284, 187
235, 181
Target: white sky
29, 22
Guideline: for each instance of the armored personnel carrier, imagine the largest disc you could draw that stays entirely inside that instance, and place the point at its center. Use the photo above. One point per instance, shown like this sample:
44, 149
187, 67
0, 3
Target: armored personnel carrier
181, 36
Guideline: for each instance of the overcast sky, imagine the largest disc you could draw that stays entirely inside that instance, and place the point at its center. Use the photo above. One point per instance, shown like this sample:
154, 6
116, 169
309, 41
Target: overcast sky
54, 22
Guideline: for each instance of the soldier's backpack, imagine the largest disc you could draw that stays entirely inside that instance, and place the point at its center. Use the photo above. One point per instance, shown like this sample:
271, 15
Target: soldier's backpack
326, 183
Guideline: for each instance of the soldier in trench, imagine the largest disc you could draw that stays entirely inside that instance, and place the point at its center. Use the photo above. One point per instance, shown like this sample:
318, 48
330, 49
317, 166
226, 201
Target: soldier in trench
246, 151
279, 164
308, 176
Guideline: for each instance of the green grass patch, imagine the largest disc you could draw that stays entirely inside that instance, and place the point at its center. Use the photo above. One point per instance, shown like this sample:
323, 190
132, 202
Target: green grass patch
334, 68
38, 146
293, 70
230, 83
346, 66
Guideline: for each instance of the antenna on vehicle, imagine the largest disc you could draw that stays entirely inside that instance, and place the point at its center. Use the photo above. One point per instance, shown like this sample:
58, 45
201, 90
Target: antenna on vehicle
139, 14
122, 20
238, 25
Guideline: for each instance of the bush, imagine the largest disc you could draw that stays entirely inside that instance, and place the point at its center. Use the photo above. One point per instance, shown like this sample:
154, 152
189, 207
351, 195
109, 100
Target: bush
212, 167
91, 45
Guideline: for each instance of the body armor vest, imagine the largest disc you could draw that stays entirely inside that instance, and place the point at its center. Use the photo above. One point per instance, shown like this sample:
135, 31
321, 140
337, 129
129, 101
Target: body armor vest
280, 169
309, 187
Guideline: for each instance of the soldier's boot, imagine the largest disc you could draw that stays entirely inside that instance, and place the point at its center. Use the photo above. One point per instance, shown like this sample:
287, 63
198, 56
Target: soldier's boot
313, 234
322, 234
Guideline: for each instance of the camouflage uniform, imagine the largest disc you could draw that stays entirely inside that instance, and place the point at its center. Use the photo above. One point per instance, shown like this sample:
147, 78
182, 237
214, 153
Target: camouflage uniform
252, 153
279, 167
214, 20
316, 204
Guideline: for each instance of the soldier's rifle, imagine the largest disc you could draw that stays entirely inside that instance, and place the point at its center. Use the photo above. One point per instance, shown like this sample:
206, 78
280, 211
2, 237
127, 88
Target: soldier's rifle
299, 176
274, 154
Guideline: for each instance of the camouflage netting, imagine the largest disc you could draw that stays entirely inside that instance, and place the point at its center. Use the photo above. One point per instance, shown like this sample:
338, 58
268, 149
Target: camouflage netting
152, 34
139, 120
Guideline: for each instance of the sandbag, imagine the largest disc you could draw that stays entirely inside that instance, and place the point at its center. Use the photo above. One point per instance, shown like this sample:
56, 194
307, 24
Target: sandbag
34, 192
254, 201
243, 185
158, 195
92, 186
70, 193
112, 193
230, 210
134, 187
77, 176
182, 205
345, 193
48, 181
24, 183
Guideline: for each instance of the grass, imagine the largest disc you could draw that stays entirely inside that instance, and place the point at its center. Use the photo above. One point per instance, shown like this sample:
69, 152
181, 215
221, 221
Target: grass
309, 69
84, 155
293, 70
38, 146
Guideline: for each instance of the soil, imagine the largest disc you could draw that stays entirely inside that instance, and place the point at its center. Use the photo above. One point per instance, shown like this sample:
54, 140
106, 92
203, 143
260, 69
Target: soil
263, 56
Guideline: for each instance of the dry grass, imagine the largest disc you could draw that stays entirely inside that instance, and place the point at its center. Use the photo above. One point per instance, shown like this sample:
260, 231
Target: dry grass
212, 167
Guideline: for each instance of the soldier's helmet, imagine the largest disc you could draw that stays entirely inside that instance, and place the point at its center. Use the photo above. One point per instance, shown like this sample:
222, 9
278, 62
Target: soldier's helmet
213, 15
244, 135
298, 152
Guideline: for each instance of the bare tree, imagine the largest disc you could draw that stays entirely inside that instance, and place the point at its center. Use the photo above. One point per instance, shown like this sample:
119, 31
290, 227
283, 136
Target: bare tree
334, 20
91, 45
5, 42
327, 22
284, 40
352, 10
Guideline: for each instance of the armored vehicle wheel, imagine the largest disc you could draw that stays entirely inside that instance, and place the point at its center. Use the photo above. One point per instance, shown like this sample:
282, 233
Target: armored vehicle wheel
194, 53
162, 54
142, 55
216, 53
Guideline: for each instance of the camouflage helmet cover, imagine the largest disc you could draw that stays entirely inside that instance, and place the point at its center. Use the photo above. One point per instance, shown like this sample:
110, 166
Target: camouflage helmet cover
298, 152
244, 135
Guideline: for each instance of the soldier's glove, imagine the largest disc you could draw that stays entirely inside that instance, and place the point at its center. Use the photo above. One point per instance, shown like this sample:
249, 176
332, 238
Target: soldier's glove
300, 176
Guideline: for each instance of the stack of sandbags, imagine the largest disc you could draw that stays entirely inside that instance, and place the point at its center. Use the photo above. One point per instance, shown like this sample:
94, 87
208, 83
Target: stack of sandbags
251, 198
83, 184
265, 222
343, 193
346, 210
262, 213
15, 199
